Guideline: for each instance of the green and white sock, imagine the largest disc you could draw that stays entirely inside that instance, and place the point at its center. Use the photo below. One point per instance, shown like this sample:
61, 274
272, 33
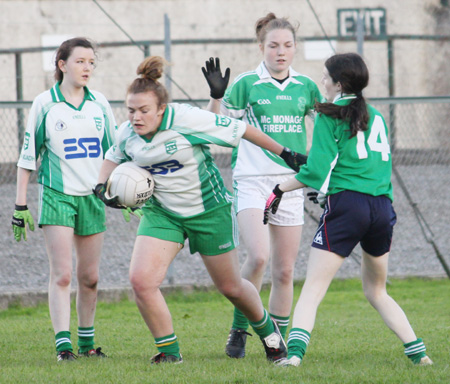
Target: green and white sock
298, 341
415, 350
282, 322
62, 341
264, 327
85, 339
239, 320
168, 345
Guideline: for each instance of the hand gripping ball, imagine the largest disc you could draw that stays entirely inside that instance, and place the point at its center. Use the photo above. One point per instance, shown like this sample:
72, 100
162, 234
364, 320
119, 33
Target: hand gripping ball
132, 184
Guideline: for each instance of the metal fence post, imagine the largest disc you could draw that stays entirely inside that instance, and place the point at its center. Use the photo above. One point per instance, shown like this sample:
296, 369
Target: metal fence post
360, 35
19, 97
168, 56
168, 53
391, 82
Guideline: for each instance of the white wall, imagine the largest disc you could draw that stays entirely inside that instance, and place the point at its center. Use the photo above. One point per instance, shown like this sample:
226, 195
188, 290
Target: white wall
23, 23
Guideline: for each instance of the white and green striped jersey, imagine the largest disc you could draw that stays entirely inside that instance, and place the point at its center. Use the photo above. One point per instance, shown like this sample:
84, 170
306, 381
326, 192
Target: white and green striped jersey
70, 142
337, 163
187, 181
278, 110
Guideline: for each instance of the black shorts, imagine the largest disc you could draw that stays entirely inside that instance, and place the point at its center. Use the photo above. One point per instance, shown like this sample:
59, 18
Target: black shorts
351, 217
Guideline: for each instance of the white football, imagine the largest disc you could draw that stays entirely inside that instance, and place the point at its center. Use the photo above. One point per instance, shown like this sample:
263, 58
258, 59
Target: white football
132, 184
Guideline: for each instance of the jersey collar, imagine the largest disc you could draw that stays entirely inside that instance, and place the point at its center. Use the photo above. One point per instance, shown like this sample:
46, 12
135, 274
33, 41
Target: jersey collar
344, 96
167, 119
58, 97
264, 73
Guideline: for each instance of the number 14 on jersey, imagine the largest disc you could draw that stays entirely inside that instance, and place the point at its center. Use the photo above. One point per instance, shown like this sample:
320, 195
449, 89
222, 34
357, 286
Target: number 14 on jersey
377, 141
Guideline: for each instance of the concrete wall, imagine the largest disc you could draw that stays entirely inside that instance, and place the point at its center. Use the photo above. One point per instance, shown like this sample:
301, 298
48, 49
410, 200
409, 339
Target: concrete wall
24, 23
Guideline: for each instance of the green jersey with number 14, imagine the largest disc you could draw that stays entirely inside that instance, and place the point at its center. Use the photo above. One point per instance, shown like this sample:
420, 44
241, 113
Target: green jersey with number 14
278, 110
187, 181
337, 163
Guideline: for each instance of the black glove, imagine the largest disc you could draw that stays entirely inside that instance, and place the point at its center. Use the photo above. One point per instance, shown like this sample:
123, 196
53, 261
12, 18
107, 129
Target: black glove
317, 198
101, 192
213, 75
293, 159
272, 203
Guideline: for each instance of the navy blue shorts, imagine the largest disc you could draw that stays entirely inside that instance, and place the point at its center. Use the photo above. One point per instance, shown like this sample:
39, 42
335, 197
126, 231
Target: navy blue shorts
350, 218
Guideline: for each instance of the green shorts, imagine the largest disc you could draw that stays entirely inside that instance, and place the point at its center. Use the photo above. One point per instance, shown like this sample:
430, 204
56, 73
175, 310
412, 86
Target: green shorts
210, 233
86, 214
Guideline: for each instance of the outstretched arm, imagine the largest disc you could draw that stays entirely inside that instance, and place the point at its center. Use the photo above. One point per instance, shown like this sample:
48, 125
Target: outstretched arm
255, 136
216, 82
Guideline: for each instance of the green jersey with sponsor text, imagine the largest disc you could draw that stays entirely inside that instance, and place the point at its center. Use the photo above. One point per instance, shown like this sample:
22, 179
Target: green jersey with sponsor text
337, 163
70, 142
187, 181
278, 110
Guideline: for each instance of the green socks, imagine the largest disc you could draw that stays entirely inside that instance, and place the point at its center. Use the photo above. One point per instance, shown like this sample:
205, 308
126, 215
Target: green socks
168, 345
282, 322
298, 341
85, 339
62, 341
415, 350
264, 327
239, 320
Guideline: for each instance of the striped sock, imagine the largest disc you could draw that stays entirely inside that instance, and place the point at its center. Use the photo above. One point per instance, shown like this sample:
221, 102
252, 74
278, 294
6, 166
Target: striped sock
239, 320
282, 322
415, 350
62, 341
168, 345
85, 339
264, 327
298, 341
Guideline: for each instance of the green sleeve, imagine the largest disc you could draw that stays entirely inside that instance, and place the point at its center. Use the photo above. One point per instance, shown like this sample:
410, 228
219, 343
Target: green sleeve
322, 156
237, 95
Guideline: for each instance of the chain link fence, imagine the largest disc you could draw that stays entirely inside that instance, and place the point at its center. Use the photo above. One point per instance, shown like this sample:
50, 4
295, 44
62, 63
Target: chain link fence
421, 246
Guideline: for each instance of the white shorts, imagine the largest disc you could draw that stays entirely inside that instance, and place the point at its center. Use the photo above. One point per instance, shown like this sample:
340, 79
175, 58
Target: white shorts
253, 192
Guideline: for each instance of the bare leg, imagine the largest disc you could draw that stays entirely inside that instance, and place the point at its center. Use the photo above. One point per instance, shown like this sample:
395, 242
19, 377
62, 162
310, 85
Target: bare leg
322, 267
149, 263
58, 242
224, 271
256, 238
89, 250
285, 246
374, 275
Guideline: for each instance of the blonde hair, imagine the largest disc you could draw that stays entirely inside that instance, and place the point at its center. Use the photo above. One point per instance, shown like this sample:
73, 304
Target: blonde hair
269, 23
150, 70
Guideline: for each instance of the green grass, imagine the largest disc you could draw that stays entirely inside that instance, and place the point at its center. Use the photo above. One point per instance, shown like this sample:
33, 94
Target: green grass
350, 343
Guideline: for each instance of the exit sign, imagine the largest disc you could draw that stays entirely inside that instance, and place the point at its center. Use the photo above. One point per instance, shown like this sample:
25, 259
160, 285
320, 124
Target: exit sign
373, 19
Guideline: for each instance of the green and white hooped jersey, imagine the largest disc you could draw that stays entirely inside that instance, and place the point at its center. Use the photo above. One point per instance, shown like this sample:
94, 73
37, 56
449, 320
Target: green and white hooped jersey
187, 181
70, 142
337, 163
278, 110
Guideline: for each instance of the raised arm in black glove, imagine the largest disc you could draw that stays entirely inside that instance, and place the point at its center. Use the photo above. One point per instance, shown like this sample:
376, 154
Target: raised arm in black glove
213, 75
293, 159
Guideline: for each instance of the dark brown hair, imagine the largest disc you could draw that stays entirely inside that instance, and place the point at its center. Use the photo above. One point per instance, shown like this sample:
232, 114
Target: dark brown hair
269, 23
150, 70
351, 72
66, 49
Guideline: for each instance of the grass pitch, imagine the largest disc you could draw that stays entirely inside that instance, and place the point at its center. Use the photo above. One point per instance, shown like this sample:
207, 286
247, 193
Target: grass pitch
350, 343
